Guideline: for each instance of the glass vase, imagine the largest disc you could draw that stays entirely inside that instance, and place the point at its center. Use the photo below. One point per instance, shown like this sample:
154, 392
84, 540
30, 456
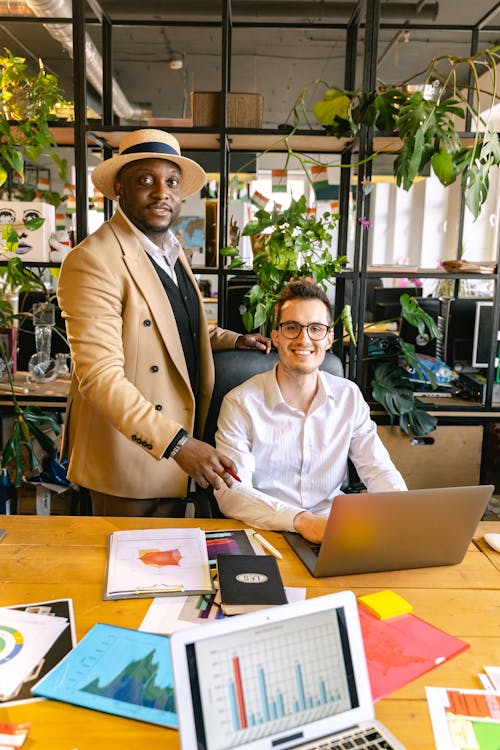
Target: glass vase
41, 366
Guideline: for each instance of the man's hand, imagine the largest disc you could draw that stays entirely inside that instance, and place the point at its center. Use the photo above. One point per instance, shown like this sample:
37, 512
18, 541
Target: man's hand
310, 526
253, 341
204, 464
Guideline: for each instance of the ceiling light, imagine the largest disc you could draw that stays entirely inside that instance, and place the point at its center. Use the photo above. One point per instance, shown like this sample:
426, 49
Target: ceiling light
176, 61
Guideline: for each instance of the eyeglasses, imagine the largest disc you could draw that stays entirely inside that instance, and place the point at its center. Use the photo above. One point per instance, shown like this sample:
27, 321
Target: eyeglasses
292, 330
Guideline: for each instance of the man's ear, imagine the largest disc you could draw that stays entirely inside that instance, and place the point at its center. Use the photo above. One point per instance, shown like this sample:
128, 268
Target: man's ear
274, 337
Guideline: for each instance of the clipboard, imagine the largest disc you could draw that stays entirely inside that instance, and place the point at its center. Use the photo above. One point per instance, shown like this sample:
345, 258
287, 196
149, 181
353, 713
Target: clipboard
146, 563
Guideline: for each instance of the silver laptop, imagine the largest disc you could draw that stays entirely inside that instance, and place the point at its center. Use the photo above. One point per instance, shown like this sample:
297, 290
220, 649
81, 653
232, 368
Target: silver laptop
292, 676
372, 532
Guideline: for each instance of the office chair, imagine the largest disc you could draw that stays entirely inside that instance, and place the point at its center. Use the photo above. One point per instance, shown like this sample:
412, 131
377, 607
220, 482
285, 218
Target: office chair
232, 367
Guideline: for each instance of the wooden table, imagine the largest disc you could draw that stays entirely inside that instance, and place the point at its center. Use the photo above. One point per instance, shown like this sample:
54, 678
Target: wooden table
59, 557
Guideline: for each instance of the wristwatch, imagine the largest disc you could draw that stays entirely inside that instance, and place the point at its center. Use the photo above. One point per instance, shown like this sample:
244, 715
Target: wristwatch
179, 442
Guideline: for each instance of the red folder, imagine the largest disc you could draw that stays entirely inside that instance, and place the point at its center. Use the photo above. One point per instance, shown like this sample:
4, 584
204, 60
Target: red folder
400, 649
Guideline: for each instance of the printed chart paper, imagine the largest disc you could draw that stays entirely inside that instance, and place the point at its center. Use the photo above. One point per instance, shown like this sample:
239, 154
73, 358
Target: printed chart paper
156, 562
25, 638
464, 719
119, 671
62, 645
166, 615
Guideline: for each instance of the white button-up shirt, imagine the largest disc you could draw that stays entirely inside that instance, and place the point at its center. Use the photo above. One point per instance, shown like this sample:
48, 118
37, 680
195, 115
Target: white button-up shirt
289, 461
165, 257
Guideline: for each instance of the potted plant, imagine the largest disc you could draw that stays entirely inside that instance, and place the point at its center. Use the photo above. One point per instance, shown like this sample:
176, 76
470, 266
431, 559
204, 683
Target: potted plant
291, 244
392, 383
32, 429
28, 102
425, 120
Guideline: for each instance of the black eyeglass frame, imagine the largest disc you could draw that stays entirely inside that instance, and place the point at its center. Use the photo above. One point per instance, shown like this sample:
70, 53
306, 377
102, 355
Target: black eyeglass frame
328, 328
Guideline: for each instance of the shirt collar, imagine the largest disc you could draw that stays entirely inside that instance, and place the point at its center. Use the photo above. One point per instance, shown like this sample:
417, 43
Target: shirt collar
275, 399
171, 245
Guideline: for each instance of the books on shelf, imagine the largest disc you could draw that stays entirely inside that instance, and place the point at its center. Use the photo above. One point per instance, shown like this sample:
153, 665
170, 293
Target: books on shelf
249, 582
157, 562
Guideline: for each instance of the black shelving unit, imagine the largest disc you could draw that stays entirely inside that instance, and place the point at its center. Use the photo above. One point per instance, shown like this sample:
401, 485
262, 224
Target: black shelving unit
228, 141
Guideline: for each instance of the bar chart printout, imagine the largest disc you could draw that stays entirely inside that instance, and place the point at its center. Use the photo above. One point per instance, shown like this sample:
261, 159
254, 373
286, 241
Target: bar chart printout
251, 687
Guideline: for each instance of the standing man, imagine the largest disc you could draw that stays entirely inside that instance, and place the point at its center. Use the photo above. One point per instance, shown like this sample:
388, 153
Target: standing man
291, 430
141, 348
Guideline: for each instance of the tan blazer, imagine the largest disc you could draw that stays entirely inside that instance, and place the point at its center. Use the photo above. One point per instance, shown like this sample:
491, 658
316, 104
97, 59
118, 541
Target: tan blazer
130, 392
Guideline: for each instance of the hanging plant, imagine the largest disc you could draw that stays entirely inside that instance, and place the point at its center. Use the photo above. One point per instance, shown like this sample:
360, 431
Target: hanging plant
425, 123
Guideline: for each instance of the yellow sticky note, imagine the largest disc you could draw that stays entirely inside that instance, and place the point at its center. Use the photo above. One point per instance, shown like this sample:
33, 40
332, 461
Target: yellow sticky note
385, 604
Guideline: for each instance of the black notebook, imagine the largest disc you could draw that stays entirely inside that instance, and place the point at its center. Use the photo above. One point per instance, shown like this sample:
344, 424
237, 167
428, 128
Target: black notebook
249, 582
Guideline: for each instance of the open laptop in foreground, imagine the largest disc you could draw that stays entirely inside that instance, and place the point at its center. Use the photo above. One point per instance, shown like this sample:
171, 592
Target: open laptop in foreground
372, 532
292, 676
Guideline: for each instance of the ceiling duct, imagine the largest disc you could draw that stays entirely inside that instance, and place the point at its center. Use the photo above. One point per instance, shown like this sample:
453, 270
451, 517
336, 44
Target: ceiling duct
296, 10
63, 33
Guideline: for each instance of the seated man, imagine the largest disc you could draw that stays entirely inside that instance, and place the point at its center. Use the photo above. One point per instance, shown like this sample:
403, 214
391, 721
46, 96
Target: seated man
291, 430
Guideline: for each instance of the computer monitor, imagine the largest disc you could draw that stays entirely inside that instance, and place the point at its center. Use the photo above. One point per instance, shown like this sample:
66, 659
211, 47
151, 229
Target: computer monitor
456, 322
482, 334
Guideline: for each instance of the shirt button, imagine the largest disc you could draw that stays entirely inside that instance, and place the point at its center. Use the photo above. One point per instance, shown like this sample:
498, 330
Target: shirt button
146, 322
158, 407
154, 368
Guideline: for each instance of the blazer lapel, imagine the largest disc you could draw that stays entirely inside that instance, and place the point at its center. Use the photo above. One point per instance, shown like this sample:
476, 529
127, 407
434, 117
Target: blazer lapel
150, 287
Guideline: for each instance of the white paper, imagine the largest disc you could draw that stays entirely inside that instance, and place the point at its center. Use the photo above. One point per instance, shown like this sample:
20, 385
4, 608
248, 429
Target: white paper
166, 615
156, 561
454, 730
25, 638
494, 676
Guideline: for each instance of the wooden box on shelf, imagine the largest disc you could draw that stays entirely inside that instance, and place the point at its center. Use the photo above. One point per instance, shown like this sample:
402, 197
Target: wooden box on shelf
244, 110
40, 499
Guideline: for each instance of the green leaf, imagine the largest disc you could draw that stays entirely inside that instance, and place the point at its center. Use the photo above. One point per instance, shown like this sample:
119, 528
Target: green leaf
416, 316
260, 315
33, 224
475, 187
247, 319
391, 388
442, 164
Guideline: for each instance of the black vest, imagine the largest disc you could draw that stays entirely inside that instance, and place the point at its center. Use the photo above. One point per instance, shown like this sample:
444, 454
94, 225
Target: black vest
185, 307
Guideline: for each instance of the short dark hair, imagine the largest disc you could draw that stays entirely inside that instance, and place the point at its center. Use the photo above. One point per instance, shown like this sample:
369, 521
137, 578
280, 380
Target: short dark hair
301, 290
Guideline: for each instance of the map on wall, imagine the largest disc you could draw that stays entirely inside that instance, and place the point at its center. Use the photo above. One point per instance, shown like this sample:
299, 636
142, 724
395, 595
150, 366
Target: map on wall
190, 231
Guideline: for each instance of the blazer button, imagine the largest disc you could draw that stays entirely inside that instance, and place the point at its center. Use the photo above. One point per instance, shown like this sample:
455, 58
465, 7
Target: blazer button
149, 446
154, 368
146, 322
158, 407
134, 437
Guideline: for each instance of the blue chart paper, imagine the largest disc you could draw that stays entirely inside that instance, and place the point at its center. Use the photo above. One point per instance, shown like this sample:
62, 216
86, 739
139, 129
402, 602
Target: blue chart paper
119, 671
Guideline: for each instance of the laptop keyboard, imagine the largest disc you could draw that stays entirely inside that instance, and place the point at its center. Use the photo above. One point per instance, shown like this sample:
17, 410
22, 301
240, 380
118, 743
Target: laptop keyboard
366, 739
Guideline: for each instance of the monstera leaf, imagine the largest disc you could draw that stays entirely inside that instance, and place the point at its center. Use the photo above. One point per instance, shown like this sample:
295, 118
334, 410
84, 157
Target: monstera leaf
391, 388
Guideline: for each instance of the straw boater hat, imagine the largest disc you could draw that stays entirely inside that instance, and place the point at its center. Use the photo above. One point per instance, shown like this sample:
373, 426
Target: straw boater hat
148, 144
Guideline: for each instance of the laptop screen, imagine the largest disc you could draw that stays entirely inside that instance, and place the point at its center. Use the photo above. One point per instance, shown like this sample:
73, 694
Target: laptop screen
271, 680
